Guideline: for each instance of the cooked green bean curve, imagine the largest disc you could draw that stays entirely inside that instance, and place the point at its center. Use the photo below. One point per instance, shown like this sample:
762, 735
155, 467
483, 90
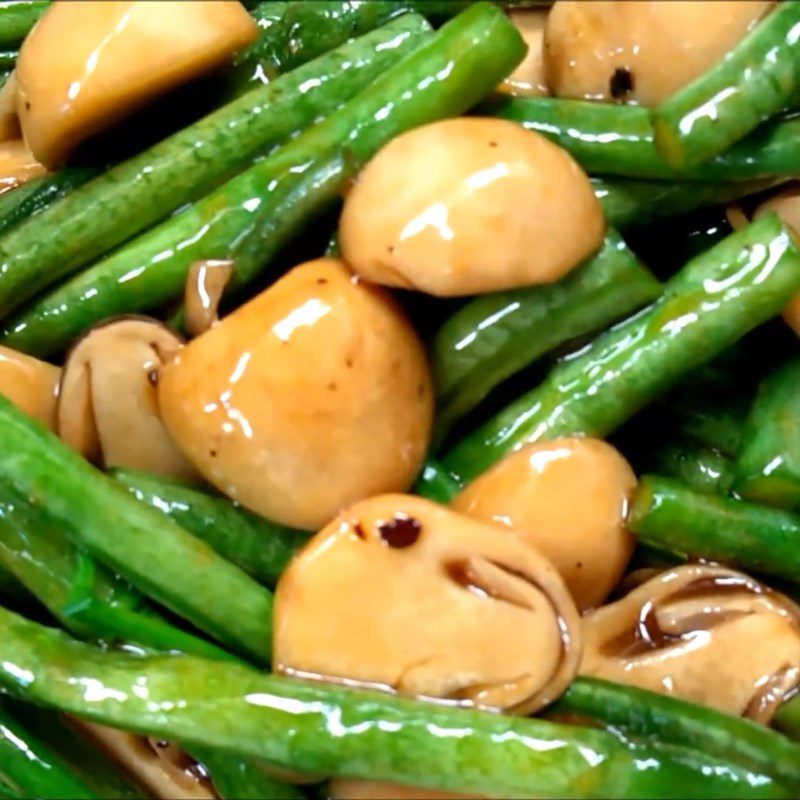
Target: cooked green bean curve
701, 468
756, 80
184, 167
496, 335
767, 468
193, 581
338, 731
259, 547
708, 305
669, 515
251, 216
17, 17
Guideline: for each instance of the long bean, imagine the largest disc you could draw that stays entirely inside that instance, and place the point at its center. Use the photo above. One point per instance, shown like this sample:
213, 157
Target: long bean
676, 721
260, 547
757, 79
252, 216
713, 301
494, 336
332, 730
17, 17
157, 556
701, 468
767, 468
669, 515
185, 166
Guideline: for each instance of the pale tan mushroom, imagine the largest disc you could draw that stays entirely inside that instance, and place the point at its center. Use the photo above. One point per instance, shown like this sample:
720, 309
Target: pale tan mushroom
313, 395
352, 789
640, 51
87, 64
205, 284
703, 633
161, 768
30, 384
568, 498
477, 205
108, 404
528, 79
405, 595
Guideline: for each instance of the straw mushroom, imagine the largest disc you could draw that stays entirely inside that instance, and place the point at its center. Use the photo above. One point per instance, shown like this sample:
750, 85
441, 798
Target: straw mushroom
30, 384
703, 633
528, 79
108, 404
402, 594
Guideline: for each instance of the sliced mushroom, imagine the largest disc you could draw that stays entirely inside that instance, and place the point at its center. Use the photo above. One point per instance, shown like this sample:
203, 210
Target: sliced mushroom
351, 789
313, 395
204, 287
528, 79
9, 121
640, 51
87, 64
108, 404
568, 498
162, 768
701, 633
401, 594
478, 205
30, 384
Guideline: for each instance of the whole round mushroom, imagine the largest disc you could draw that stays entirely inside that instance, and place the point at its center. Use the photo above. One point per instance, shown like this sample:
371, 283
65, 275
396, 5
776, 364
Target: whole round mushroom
476, 205
568, 498
314, 394
403, 594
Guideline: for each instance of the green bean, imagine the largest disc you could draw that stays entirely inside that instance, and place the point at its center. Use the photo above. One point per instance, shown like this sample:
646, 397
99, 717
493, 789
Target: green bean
701, 468
787, 718
260, 547
138, 543
757, 79
613, 139
676, 721
31, 768
334, 730
713, 301
767, 468
671, 516
146, 188
496, 335
436, 483
17, 17
252, 216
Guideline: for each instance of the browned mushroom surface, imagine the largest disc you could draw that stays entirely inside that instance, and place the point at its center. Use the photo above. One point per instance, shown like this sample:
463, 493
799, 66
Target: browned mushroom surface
568, 498
313, 395
478, 205
108, 404
30, 384
702, 633
402, 594
640, 50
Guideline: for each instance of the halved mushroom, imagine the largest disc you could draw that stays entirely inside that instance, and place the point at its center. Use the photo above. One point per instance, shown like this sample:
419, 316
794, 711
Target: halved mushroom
640, 50
108, 403
703, 633
205, 284
528, 79
352, 789
87, 64
402, 594
568, 498
162, 768
30, 384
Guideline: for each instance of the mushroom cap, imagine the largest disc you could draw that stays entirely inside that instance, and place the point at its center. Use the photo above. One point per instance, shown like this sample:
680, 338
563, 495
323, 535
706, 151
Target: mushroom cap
703, 633
108, 404
477, 205
314, 394
403, 594
30, 384
568, 498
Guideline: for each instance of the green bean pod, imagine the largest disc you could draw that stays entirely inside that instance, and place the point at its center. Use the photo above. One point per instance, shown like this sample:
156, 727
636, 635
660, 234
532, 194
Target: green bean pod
339, 731
757, 79
260, 547
148, 187
17, 17
701, 468
767, 467
675, 721
713, 301
252, 216
669, 515
140, 544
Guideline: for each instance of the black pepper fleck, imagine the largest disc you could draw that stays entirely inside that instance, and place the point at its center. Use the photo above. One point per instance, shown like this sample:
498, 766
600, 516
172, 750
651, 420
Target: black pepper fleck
322, 281
213, 453
152, 377
621, 83
332, 386
402, 531
359, 531
492, 144
349, 363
